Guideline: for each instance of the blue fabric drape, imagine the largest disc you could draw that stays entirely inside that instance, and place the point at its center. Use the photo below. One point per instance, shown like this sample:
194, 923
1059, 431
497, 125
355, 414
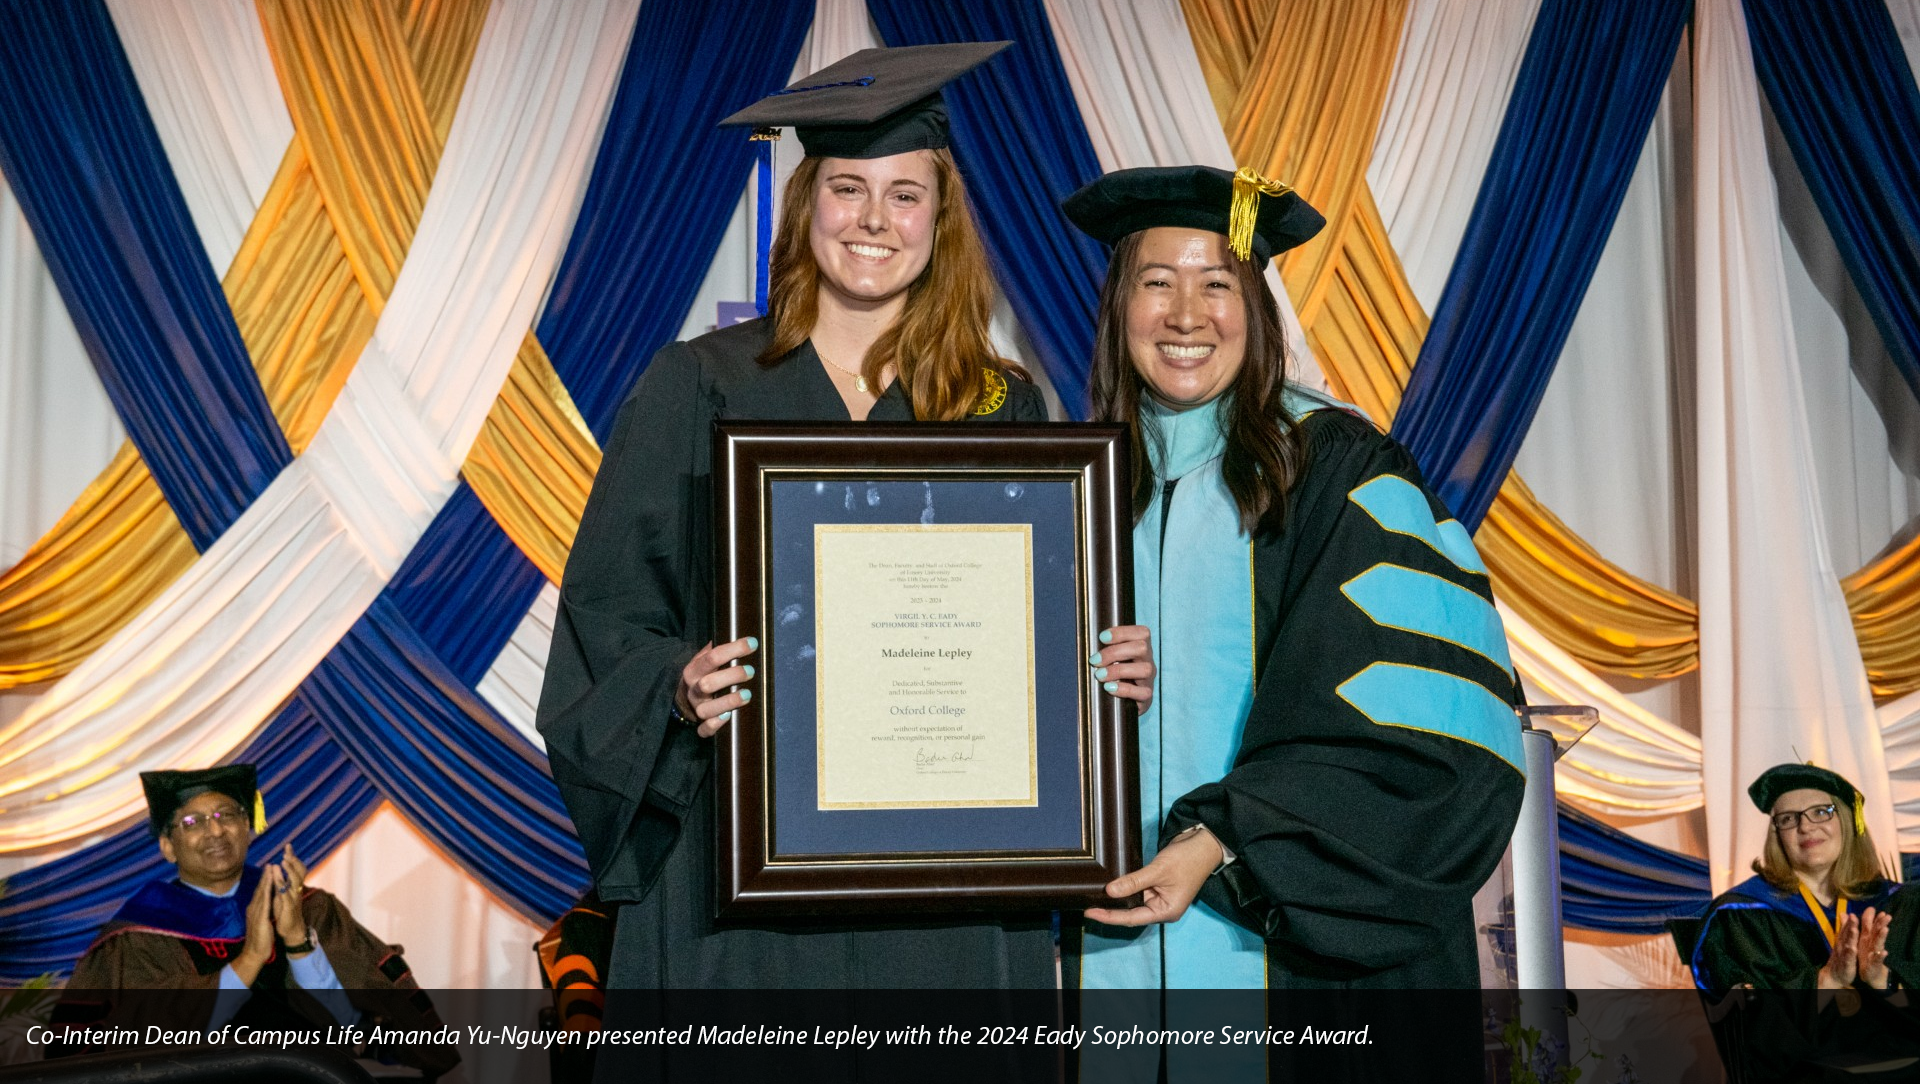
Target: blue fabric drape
1585, 95
1023, 148
1845, 98
439, 753
465, 586
663, 187
82, 156
315, 799
1611, 882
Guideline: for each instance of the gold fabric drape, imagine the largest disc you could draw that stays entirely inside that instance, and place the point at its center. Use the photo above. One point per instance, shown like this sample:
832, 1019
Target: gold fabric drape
299, 288
373, 145
107, 557
1884, 598
1305, 103
534, 462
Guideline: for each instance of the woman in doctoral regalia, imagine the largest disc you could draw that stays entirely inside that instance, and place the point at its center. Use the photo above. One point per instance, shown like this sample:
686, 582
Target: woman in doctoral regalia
878, 311
1331, 767
1829, 943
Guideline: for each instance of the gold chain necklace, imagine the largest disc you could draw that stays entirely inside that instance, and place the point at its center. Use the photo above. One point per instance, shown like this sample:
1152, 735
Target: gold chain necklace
859, 379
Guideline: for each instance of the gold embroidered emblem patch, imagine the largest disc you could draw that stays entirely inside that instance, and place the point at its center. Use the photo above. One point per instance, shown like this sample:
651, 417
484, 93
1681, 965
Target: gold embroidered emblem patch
995, 393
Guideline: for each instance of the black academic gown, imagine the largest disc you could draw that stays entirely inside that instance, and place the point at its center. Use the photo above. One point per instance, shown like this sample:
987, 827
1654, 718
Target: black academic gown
1359, 839
1359, 843
1758, 937
634, 607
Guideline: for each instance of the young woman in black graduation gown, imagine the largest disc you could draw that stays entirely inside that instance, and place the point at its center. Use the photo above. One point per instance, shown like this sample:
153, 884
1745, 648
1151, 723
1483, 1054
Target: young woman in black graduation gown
879, 301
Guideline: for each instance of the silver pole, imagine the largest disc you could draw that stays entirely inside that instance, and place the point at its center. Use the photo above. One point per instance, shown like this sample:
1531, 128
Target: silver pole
1539, 952
1540, 955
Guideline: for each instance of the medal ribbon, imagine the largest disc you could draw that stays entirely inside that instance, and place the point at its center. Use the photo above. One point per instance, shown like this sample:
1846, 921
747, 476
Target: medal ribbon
1829, 928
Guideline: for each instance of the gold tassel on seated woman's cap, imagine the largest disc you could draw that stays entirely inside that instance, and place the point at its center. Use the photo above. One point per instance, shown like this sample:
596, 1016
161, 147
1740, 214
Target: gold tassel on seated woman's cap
1248, 187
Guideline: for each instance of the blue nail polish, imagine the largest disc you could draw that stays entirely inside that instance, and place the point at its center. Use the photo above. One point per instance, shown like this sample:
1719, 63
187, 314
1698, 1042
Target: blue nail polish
749, 670
1106, 637
753, 643
1093, 659
746, 695
1101, 673
1111, 686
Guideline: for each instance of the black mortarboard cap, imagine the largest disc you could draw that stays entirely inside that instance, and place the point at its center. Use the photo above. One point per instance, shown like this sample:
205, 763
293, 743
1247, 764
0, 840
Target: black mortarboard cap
168, 791
1782, 778
872, 104
1260, 218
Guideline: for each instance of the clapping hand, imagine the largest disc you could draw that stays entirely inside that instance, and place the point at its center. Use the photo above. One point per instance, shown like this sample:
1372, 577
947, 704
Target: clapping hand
1871, 951
257, 949
289, 879
1859, 952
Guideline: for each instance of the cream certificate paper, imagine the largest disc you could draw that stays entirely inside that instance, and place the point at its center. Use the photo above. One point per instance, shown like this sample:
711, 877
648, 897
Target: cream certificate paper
924, 662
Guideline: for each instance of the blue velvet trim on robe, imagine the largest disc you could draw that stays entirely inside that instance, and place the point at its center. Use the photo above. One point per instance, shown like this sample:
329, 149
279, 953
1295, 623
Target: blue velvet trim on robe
1397, 505
170, 907
1403, 598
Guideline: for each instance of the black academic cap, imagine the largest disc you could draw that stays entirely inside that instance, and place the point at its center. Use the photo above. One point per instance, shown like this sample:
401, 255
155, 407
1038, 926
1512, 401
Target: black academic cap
1260, 218
168, 791
1782, 778
872, 104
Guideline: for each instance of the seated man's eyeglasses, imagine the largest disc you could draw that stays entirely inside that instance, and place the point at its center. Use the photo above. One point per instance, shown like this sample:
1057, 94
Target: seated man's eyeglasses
232, 817
1789, 820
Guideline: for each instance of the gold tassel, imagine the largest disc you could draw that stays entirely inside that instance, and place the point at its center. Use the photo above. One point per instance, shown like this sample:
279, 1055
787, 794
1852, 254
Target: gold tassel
259, 813
1859, 814
764, 135
1248, 187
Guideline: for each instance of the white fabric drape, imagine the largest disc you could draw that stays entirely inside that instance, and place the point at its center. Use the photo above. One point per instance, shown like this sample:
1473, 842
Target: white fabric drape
191, 678
512, 684
1865, 418
1144, 101
464, 939
57, 427
1456, 67
1906, 20
208, 82
1900, 731
840, 28
1635, 763
1765, 697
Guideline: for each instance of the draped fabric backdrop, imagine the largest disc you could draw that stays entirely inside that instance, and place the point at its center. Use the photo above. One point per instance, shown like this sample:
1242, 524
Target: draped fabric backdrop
313, 315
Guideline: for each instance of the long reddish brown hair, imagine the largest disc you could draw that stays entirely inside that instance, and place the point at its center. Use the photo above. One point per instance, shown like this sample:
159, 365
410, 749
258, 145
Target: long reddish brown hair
1265, 449
939, 345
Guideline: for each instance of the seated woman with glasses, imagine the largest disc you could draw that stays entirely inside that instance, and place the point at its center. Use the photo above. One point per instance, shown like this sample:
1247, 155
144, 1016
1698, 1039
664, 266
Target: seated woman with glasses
1819, 918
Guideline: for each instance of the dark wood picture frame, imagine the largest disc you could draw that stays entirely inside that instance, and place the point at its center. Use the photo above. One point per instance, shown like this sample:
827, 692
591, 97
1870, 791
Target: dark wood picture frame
751, 879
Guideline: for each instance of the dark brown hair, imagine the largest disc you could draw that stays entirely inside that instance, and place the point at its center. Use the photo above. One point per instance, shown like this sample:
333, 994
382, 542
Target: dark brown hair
939, 345
1265, 448
1855, 874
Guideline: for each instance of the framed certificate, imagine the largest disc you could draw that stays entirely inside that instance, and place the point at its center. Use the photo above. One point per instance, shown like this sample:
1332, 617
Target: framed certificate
925, 733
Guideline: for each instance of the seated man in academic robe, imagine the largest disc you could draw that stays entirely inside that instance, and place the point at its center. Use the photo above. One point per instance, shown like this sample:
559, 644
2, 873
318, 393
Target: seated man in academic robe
240, 945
